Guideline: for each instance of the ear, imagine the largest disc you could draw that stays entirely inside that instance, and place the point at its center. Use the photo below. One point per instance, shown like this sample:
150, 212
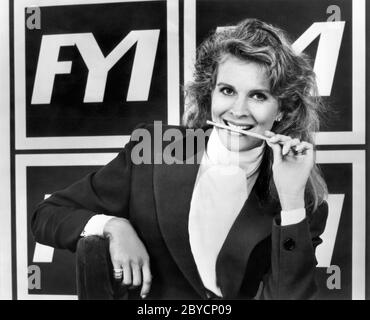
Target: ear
279, 116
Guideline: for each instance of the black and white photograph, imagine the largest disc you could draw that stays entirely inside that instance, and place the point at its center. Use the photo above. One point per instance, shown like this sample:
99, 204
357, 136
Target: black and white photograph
188, 150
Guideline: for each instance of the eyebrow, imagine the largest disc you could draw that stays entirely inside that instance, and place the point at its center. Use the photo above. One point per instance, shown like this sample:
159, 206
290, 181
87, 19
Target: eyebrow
220, 84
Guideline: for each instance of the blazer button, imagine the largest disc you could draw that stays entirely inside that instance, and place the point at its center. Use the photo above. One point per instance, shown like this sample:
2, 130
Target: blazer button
289, 244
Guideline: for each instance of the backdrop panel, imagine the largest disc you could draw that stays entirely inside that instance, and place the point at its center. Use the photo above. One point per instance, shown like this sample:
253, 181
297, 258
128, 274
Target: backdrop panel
334, 36
38, 176
93, 71
5, 160
344, 236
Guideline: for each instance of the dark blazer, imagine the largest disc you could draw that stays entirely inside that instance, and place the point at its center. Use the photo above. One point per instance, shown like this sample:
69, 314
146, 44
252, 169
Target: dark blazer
258, 256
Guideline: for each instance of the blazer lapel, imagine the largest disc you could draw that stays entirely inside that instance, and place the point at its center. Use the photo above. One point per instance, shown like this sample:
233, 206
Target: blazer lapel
253, 224
173, 188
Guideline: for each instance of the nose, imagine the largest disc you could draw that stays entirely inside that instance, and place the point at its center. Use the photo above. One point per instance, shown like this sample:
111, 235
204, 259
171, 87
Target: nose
238, 114
240, 108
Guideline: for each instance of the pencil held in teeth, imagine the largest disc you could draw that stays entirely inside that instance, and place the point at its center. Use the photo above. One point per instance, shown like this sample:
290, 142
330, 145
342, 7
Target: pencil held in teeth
252, 134
224, 126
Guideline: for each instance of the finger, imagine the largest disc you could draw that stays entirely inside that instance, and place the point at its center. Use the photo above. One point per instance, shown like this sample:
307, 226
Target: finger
305, 148
288, 145
127, 275
117, 274
117, 270
294, 142
279, 138
136, 274
147, 280
269, 133
276, 150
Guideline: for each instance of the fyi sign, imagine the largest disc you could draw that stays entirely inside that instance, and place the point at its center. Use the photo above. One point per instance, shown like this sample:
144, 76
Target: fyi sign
92, 70
48, 66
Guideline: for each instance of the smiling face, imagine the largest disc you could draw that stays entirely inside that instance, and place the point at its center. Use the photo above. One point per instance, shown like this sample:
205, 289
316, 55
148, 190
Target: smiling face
241, 97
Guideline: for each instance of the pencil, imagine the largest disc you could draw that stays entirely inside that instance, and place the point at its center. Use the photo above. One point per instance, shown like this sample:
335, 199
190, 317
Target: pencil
248, 133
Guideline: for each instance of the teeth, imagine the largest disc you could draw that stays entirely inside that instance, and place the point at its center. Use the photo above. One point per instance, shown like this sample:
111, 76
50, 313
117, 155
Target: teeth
237, 127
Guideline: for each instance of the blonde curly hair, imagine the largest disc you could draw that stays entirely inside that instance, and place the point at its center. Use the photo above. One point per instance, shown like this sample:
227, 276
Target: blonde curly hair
292, 82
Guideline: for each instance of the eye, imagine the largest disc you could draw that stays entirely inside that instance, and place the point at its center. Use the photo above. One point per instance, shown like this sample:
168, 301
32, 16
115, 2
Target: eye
227, 91
259, 96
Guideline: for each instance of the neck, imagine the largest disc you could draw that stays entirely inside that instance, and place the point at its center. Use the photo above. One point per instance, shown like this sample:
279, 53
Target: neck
248, 160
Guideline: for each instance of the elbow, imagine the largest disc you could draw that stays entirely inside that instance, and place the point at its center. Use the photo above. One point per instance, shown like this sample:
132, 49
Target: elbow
37, 223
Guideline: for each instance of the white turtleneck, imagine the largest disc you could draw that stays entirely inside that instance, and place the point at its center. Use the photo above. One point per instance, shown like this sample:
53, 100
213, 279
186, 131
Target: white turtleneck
223, 184
224, 181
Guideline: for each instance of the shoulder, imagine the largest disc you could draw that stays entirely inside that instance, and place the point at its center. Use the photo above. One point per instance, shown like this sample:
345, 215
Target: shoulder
167, 133
152, 142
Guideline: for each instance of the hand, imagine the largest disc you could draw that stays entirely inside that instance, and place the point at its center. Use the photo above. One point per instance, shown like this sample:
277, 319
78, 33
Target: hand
291, 169
128, 253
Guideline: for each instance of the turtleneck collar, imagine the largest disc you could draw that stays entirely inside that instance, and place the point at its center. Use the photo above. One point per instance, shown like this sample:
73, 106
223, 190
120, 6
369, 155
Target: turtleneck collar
248, 160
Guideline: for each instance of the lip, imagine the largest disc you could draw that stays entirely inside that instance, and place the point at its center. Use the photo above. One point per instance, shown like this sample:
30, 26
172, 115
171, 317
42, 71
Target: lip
248, 125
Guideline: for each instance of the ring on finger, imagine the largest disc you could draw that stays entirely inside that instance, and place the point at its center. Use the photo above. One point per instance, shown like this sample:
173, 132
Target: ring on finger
117, 273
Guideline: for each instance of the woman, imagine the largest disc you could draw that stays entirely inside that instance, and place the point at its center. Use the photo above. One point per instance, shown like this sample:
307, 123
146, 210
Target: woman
243, 222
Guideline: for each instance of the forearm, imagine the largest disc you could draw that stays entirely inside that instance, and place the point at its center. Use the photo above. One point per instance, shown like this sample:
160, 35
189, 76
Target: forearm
59, 227
59, 220
293, 263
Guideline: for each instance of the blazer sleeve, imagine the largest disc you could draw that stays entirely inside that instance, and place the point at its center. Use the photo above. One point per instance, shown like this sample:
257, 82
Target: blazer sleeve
293, 261
59, 220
